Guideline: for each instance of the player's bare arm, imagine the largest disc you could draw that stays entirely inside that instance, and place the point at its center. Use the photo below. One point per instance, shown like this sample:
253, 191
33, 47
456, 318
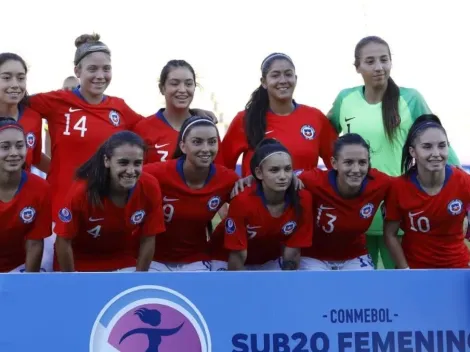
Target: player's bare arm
65, 254
393, 243
146, 251
34, 249
236, 260
290, 258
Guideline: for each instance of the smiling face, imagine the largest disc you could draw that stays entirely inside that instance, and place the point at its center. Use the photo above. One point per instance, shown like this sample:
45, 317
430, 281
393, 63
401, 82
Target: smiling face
12, 150
200, 145
352, 165
280, 80
179, 88
430, 150
95, 74
125, 166
12, 82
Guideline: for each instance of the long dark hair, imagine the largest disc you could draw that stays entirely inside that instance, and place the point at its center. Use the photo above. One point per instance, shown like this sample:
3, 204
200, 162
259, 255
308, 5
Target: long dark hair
4, 57
258, 105
187, 126
265, 148
350, 139
94, 170
390, 111
420, 125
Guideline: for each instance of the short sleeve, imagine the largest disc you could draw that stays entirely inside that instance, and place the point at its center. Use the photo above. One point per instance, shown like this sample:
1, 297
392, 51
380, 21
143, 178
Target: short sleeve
392, 210
154, 222
131, 118
234, 143
43, 221
71, 213
235, 238
310, 178
302, 237
42, 104
327, 139
416, 103
334, 113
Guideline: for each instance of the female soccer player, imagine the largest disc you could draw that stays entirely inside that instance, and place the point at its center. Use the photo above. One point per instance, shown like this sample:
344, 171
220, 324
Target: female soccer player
110, 205
382, 113
14, 103
194, 189
271, 217
428, 202
272, 113
160, 131
25, 205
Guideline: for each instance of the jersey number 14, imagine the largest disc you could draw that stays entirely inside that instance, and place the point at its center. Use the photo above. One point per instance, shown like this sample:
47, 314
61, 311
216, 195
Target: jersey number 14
79, 126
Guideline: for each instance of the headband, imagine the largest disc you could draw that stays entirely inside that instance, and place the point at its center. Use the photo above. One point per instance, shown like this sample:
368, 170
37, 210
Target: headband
88, 48
196, 121
421, 126
13, 125
274, 56
272, 153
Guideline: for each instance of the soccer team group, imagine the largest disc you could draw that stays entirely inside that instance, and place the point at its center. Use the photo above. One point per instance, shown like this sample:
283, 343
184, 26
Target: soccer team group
128, 193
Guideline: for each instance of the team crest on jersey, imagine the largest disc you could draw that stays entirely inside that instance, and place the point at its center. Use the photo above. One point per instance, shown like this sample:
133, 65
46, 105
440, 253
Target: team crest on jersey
308, 132
455, 207
367, 211
230, 226
30, 140
114, 118
65, 215
289, 227
213, 203
138, 217
27, 215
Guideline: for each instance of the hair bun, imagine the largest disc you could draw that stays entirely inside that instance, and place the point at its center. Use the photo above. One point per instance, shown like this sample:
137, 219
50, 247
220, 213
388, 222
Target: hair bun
87, 38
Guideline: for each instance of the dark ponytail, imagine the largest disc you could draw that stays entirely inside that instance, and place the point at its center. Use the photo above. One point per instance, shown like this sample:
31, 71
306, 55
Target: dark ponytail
420, 125
187, 126
94, 170
265, 148
258, 105
390, 100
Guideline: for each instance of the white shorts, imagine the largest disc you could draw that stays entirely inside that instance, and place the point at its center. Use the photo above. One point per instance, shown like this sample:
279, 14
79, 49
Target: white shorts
196, 266
363, 262
217, 265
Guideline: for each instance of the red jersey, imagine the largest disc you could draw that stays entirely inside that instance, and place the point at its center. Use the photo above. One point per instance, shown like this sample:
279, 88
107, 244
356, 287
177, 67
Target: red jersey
188, 211
432, 225
77, 129
104, 238
306, 133
26, 217
161, 138
249, 226
341, 223
31, 122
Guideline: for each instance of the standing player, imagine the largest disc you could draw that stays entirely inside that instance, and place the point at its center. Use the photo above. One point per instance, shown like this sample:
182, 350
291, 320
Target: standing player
428, 202
269, 216
272, 112
160, 131
382, 113
194, 189
14, 103
346, 200
25, 206
109, 206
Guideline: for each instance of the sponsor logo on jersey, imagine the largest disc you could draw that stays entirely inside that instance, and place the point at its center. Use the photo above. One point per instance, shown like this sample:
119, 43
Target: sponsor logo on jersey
30, 140
230, 226
455, 207
114, 118
65, 215
308, 132
150, 318
27, 215
138, 217
367, 211
214, 203
289, 227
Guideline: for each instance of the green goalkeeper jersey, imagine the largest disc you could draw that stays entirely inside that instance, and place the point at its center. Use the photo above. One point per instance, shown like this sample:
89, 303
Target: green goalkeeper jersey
352, 113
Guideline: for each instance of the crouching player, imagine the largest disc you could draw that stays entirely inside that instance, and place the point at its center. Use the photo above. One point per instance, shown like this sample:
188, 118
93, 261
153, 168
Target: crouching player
110, 205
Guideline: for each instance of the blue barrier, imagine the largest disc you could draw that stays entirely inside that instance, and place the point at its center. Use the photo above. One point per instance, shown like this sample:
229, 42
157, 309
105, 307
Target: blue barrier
383, 311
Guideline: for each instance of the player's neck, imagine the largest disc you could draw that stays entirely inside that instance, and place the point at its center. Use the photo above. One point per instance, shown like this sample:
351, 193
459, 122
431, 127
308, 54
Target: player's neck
374, 95
9, 110
275, 201
118, 196
195, 177
9, 182
176, 117
91, 99
431, 182
281, 108
346, 191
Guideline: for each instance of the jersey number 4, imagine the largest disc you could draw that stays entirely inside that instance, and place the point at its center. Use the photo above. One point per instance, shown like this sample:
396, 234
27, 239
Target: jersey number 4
79, 126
